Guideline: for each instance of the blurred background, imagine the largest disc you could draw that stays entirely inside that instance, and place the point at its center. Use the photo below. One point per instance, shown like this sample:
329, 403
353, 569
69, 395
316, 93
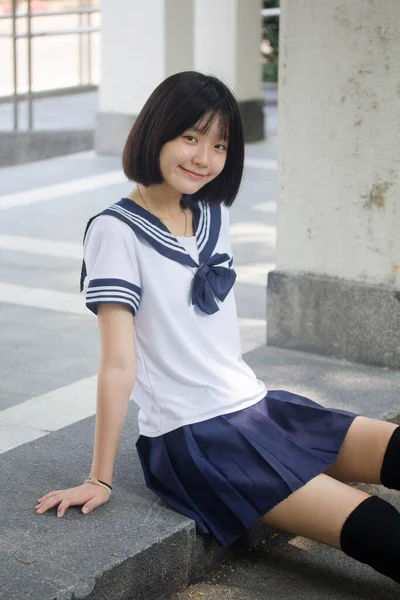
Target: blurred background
51, 48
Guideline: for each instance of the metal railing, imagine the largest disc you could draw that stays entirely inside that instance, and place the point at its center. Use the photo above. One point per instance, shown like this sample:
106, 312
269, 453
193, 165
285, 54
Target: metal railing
16, 97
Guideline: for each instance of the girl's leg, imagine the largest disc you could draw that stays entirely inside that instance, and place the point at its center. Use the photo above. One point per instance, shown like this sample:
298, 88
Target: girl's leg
365, 527
318, 510
361, 455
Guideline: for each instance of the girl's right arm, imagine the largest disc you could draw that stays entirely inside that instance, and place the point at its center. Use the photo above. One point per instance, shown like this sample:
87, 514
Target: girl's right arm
116, 377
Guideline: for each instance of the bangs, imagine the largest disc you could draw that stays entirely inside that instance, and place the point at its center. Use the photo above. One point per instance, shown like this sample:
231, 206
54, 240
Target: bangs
200, 109
204, 125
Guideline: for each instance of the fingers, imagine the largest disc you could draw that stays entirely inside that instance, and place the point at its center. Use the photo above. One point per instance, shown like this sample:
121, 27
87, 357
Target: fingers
50, 494
94, 503
88, 496
52, 500
63, 507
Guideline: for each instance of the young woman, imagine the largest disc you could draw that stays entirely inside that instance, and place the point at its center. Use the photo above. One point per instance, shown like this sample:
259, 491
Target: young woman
214, 443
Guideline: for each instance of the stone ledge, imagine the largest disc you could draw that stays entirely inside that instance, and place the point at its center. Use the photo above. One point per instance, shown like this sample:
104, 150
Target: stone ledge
27, 146
135, 547
325, 315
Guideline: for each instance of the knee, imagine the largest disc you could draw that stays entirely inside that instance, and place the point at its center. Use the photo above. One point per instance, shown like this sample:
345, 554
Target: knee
371, 535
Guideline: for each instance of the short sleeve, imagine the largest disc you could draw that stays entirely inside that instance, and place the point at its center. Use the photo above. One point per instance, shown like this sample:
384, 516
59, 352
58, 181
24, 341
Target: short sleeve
111, 265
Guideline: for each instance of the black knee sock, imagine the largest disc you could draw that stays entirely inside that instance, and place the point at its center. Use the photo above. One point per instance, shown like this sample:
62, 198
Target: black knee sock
371, 535
390, 472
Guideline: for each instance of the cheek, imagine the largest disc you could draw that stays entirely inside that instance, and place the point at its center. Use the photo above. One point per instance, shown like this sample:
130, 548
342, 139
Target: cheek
173, 154
220, 164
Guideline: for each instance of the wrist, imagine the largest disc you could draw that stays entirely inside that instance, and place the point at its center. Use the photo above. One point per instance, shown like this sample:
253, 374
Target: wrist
96, 481
106, 480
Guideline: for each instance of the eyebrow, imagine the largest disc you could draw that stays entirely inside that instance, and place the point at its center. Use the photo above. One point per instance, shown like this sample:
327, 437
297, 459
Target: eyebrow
199, 129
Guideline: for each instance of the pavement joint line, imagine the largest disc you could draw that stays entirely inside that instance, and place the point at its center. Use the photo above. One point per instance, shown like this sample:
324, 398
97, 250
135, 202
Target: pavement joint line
49, 412
255, 274
268, 207
58, 190
25, 426
33, 245
253, 232
43, 298
261, 163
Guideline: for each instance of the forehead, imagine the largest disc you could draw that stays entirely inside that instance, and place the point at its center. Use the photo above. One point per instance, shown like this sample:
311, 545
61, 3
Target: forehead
213, 126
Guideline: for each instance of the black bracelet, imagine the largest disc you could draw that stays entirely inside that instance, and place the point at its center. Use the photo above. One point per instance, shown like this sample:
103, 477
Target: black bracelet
104, 483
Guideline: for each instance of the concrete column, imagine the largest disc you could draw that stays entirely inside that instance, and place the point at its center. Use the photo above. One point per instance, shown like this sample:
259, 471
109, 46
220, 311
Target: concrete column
336, 290
142, 43
227, 44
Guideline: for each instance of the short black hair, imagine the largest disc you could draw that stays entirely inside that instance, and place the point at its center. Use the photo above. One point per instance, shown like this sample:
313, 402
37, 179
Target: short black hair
180, 102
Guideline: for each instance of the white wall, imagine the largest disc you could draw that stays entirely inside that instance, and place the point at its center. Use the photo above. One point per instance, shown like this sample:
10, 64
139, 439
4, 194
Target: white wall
215, 39
142, 43
227, 43
339, 126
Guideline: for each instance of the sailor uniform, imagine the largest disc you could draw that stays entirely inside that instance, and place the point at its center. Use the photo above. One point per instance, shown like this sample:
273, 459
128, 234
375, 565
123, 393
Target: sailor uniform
214, 444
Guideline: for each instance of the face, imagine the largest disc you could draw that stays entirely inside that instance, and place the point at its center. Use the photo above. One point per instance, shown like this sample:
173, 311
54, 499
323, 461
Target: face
193, 159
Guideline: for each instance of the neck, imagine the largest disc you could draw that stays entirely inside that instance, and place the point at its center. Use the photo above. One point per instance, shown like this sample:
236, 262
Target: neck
162, 199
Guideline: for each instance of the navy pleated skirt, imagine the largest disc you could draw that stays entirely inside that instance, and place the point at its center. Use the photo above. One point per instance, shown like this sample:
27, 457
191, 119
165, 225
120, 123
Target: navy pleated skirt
228, 471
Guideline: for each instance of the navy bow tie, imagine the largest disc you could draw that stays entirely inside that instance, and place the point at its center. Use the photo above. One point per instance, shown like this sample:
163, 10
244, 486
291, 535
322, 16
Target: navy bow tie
210, 281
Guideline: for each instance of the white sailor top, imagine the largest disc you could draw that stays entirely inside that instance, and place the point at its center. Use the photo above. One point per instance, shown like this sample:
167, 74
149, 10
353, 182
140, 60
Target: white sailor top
189, 358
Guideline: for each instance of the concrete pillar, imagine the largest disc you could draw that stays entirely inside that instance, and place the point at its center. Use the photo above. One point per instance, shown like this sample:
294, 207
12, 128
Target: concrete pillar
142, 44
336, 290
227, 44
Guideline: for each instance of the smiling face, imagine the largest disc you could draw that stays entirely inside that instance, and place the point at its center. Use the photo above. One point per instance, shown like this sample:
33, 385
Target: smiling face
194, 158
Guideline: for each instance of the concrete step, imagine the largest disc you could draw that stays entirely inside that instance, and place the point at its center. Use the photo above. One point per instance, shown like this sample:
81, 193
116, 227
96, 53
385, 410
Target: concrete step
295, 568
134, 547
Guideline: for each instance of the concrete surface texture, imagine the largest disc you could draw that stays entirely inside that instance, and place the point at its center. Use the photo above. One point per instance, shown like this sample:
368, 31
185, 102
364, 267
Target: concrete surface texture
339, 194
338, 190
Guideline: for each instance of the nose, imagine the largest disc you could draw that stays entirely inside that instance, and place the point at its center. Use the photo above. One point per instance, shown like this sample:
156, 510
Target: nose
202, 156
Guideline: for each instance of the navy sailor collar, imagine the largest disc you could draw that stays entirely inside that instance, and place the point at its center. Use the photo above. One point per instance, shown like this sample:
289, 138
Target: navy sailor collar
211, 280
207, 221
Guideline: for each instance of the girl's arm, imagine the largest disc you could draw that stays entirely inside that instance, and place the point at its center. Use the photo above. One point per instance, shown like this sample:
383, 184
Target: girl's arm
116, 377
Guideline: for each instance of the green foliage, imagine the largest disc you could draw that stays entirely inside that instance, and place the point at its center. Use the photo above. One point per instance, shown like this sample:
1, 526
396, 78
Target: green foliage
270, 44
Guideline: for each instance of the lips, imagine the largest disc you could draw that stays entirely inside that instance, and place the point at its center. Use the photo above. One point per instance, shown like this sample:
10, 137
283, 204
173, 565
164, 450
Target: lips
192, 174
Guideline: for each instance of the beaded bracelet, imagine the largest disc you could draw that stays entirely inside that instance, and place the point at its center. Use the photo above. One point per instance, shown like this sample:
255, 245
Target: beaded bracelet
96, 481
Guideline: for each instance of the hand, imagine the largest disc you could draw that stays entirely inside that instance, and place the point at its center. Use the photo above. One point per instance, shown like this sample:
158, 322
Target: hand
88, 495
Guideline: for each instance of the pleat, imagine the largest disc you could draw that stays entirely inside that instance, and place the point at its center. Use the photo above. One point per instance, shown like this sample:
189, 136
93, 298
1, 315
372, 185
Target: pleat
160, 477
228, 471
233, 446
223, 484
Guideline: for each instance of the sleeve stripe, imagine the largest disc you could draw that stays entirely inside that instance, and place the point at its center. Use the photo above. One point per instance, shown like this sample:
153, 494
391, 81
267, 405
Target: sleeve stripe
112, 294
92, 304
113, 283
117, 291
98, 292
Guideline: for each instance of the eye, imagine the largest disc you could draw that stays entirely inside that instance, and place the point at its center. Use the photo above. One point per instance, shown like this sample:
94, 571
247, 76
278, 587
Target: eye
190, 138
221, 147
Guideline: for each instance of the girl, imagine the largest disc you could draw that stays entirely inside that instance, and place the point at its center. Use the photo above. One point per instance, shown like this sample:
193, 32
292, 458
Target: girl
214, 443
